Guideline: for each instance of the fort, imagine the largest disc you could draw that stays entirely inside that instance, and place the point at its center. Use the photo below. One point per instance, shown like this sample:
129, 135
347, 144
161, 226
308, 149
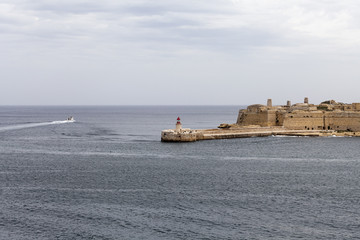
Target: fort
329, 118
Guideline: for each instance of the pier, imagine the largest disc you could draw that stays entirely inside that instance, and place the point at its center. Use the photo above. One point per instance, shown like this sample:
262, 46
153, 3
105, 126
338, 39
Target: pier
188, 135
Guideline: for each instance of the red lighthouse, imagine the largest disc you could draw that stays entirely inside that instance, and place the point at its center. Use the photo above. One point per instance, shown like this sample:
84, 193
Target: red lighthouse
178, 125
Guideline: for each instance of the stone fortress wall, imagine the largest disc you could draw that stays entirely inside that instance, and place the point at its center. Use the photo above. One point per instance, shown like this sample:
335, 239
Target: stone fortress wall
329, 118
328, 115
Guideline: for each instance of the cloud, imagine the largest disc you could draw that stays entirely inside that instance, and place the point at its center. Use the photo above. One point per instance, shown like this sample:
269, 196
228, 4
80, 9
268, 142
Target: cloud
162, 40
213, 24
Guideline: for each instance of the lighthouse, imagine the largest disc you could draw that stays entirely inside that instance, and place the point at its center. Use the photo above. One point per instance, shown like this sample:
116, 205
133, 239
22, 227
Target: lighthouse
178, 125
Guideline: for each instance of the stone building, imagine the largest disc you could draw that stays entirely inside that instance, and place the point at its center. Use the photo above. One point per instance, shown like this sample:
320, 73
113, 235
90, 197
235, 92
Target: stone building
328, 115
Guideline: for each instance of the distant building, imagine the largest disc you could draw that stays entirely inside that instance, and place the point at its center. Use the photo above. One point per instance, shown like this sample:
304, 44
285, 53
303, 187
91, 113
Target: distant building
328, 115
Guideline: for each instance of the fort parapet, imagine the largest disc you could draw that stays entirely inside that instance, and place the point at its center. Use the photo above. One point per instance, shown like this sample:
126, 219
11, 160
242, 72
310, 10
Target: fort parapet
301, 119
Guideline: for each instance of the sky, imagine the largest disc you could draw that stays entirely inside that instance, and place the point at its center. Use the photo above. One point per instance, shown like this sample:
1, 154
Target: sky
172, 52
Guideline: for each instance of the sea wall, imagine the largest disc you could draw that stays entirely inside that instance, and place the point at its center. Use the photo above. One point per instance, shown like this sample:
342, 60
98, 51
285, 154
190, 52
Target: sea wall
180, 136
344, 121
317, 120
253, 118
304, 120
211, 134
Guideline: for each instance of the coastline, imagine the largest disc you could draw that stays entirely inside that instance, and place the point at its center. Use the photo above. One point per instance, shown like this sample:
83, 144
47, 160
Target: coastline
329, 118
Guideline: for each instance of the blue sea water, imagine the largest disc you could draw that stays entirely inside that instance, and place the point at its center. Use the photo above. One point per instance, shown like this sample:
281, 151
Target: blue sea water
108, 176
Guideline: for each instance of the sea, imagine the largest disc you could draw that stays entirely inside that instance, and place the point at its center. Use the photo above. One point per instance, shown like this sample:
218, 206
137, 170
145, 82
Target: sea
108, 176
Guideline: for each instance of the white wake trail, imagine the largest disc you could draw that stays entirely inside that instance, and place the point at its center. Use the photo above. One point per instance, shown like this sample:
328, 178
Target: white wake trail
31, 125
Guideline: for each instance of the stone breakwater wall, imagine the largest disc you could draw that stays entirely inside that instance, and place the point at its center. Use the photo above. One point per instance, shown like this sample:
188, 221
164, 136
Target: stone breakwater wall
210, 134
181, 136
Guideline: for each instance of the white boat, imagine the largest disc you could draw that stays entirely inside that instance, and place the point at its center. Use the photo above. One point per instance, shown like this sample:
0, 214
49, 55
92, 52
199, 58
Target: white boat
71, 118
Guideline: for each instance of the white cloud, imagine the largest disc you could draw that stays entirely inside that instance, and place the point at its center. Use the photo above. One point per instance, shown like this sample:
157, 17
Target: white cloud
182, 23
232, 37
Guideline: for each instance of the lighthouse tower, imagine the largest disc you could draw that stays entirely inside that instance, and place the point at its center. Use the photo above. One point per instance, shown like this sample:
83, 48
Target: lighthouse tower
178, 125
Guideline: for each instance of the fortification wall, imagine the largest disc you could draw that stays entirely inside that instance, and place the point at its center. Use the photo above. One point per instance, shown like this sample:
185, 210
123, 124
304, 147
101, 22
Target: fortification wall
302, 120
356, 106
303, 116
280, 118
253, 118
344, 121
240, 116
271, 118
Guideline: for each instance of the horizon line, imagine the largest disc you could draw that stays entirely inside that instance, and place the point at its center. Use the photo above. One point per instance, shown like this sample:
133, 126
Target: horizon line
118, 105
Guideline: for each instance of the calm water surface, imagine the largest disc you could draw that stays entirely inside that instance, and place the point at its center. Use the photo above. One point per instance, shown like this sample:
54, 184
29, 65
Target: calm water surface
108, 176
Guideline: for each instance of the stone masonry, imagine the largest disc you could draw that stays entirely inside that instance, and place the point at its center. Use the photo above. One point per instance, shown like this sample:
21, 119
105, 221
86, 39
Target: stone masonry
328, 115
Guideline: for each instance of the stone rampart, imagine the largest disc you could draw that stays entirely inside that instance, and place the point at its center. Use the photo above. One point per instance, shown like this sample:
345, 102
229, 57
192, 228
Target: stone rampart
254, 118
342, 121
303, 120
329, 115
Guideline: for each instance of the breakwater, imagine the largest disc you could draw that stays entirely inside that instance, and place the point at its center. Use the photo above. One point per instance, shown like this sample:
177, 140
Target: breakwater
189, 135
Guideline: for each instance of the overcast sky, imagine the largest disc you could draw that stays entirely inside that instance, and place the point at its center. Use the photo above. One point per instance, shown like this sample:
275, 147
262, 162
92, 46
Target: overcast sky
212, 52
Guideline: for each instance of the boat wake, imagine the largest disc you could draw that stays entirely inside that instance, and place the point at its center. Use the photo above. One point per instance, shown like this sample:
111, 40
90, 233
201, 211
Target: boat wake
31, 125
